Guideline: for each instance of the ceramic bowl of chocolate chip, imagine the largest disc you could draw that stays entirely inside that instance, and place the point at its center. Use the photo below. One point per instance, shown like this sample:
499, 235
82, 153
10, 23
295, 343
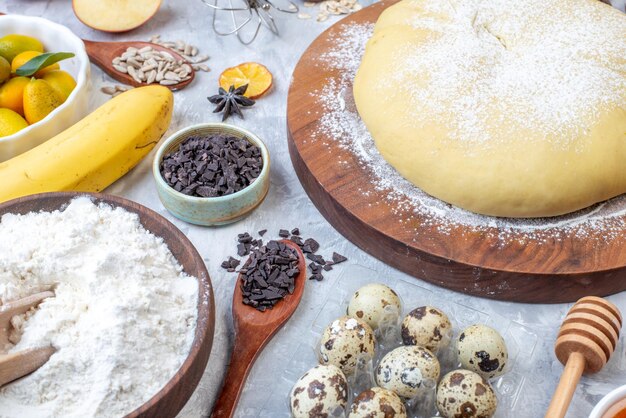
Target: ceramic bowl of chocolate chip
212, 173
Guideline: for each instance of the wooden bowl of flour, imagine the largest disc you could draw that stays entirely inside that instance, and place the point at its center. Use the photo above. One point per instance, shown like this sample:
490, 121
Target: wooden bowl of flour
175, 394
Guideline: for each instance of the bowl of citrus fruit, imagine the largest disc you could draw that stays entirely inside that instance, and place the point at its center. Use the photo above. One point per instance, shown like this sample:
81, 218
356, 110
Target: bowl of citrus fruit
44, 82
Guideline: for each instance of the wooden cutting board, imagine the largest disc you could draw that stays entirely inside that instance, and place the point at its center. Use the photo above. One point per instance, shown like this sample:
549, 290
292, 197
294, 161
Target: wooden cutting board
486, 262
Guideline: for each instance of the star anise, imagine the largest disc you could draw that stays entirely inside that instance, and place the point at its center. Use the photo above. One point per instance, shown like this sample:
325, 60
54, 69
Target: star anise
231, 101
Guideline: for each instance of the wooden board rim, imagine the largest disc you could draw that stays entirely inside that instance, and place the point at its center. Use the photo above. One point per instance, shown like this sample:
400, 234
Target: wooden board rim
517, 284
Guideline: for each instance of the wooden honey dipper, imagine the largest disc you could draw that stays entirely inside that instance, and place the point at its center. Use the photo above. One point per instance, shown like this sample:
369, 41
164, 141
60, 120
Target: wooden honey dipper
588, 337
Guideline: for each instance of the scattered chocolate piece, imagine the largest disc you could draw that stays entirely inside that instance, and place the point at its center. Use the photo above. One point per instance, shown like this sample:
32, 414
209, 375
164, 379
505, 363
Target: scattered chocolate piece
317, 276
297, 240
312, 244
269, 275
338, 258
212, 166
246, 244
230, 263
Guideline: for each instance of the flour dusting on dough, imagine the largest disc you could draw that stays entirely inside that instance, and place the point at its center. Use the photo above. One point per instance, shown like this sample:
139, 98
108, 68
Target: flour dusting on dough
341, 123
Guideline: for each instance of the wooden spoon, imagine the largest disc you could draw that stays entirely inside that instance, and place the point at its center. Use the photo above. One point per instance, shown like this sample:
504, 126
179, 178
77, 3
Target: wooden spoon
253, 330
588, 337
16, 365
103, 53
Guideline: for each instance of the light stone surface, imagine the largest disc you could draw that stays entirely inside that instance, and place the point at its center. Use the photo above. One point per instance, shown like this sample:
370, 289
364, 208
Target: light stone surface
529, 330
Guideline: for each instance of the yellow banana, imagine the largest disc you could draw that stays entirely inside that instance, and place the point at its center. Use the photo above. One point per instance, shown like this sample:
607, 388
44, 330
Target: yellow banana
95, 152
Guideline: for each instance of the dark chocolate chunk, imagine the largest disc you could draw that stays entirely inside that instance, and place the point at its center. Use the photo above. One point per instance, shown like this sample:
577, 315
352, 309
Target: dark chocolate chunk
313, 245
268, 275
283, 233
338, 258
295, 231
262, 232
211, 166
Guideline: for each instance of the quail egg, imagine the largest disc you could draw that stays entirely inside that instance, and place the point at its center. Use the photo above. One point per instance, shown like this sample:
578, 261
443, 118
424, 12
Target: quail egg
375, 303
344, 341
322, 391
464, 393
404, 369
377, 403
483, 350
426, 326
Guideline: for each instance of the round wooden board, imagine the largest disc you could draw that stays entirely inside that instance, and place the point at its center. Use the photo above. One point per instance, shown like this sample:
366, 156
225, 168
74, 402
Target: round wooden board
484, 262
175, 394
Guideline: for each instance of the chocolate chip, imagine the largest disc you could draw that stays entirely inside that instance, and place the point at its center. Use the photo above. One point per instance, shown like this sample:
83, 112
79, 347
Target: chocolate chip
338, 258
295, 231
211, 166
269, 275
312, 244
262, 232
283, 233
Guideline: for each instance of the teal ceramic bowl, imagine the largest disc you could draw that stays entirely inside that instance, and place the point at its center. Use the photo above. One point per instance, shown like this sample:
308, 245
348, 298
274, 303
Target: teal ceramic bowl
211, 210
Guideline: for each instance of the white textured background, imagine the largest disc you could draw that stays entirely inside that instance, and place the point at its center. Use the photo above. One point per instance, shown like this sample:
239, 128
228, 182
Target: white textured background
530, 330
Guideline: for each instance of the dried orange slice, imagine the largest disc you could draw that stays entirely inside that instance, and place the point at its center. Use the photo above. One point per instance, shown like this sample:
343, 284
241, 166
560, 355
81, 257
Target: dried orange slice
256, 76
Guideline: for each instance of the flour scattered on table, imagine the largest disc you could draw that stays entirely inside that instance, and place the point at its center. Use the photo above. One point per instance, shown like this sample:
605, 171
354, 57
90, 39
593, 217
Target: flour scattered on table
122, 320
341, 123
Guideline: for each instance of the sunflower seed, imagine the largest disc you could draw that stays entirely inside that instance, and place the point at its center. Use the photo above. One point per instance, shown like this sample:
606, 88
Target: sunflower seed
120, 69
151, 77
168, 82
170, 75
200, 58
108, 90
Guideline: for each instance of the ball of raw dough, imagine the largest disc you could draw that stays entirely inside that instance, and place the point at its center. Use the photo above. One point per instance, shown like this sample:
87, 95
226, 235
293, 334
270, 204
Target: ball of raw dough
322, 391
404, 369
463, 393
374, 303
426, 326
466, 100
483, 350
344, 341
377, 403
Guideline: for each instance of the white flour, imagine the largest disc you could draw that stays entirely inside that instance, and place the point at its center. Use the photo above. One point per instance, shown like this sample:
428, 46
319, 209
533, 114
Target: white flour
339, 122
122, 320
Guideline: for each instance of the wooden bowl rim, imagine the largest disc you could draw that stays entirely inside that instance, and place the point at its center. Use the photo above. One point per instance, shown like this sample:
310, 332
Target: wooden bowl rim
205, 324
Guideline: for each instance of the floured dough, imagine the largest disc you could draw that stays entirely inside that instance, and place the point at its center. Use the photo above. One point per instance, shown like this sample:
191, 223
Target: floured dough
513, 109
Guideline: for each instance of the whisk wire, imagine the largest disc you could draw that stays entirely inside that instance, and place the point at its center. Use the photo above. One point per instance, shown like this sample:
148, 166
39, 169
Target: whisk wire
259, 11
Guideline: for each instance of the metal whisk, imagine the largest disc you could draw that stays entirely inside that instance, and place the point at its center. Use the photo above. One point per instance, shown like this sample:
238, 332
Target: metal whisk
250, 11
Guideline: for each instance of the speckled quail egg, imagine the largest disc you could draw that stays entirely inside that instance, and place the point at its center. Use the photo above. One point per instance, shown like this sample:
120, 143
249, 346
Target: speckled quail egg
374, 303
377, 403
464, 393
320, 392
426, 326
483, 350
404, 369
344, 341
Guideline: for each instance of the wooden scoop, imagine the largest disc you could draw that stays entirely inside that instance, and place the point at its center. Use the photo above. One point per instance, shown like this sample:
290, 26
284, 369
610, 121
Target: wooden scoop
588, 337
16, 365
103, 53
253, 330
